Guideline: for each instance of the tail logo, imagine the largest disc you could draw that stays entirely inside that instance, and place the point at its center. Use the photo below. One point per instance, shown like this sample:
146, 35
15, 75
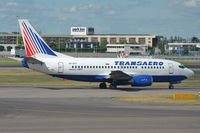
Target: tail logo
33, 42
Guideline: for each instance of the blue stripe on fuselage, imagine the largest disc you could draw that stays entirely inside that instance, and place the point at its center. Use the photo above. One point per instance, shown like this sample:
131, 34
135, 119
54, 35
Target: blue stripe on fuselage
100, 78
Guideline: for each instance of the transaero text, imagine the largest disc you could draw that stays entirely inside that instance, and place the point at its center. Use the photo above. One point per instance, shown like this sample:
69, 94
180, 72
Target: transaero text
139, 63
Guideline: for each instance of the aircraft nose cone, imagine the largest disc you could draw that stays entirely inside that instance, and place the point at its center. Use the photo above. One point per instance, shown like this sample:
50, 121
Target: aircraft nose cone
190, 73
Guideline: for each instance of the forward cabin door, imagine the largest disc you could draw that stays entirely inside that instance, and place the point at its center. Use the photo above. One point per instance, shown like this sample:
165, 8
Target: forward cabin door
60, 67
171, 68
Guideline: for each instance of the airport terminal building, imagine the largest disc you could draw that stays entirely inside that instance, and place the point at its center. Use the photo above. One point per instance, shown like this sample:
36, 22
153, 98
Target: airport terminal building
85, 37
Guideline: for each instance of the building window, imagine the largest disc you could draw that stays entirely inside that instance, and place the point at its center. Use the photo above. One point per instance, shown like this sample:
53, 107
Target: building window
132, 40
142, 40
113, 40
122, 40
94, 39
103, 39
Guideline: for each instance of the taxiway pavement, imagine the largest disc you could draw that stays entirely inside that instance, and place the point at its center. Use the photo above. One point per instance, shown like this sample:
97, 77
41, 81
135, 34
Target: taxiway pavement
76, 109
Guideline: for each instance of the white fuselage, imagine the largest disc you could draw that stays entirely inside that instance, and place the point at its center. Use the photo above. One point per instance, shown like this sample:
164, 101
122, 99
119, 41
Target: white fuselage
95, 69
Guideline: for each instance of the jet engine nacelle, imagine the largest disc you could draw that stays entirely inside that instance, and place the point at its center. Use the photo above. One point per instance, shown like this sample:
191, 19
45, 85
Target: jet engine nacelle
142, 80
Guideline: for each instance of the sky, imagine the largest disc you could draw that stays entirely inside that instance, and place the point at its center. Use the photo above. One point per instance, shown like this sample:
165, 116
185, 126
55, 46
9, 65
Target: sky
156, 17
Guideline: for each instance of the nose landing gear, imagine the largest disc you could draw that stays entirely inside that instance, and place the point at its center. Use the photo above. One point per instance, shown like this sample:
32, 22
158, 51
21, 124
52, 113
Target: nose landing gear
171, 86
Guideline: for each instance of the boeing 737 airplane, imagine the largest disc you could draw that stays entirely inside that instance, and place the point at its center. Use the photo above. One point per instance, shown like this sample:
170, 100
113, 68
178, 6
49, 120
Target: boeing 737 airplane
115, 71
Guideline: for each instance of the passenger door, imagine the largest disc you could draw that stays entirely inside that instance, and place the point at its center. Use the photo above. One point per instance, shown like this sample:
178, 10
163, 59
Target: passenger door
171, 68
60, 67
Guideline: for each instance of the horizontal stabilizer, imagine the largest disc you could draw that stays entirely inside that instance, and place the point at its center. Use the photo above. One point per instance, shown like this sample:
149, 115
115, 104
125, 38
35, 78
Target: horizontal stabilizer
32, 60
15, 58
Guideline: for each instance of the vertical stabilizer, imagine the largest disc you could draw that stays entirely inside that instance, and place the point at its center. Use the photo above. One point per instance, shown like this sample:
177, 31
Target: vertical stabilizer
33, 42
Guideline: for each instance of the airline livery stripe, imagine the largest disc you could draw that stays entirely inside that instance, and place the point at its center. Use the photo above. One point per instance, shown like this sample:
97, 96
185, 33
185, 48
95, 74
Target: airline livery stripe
37, 46
41, 44
29, 53
37, 41
27, 43
31, 42
33, 45
27, 49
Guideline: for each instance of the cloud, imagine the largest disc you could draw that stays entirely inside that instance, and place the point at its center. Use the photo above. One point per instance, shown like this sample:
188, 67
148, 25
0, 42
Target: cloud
185, 3
73, 9
111, 12
2, 16
190, 3
12, 4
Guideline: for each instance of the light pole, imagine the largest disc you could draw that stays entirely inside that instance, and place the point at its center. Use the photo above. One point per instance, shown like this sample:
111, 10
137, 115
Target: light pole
17, 29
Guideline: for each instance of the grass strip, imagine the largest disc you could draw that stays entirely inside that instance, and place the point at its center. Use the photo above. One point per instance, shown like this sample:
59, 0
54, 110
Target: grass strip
29, 77
157, 98
34, 78
9, 62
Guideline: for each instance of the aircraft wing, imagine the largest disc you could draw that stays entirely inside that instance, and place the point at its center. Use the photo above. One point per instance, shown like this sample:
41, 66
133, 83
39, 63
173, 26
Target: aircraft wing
119, 75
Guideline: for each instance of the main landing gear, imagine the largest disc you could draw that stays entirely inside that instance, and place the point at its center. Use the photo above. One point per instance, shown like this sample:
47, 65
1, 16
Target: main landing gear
171, 86
112, 86
102, 85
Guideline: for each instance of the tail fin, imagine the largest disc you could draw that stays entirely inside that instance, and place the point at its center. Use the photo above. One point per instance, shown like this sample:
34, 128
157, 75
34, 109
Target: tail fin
33, 42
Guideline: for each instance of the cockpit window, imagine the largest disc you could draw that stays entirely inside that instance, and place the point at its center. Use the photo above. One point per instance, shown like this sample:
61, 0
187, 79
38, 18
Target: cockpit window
181, 66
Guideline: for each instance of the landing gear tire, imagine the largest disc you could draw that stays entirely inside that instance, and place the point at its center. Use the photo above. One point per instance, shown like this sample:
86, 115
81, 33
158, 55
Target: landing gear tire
171, 86
112, 86
102, 86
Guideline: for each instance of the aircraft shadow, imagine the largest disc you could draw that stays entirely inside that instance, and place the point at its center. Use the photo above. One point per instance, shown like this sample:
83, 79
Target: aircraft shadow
121, 88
